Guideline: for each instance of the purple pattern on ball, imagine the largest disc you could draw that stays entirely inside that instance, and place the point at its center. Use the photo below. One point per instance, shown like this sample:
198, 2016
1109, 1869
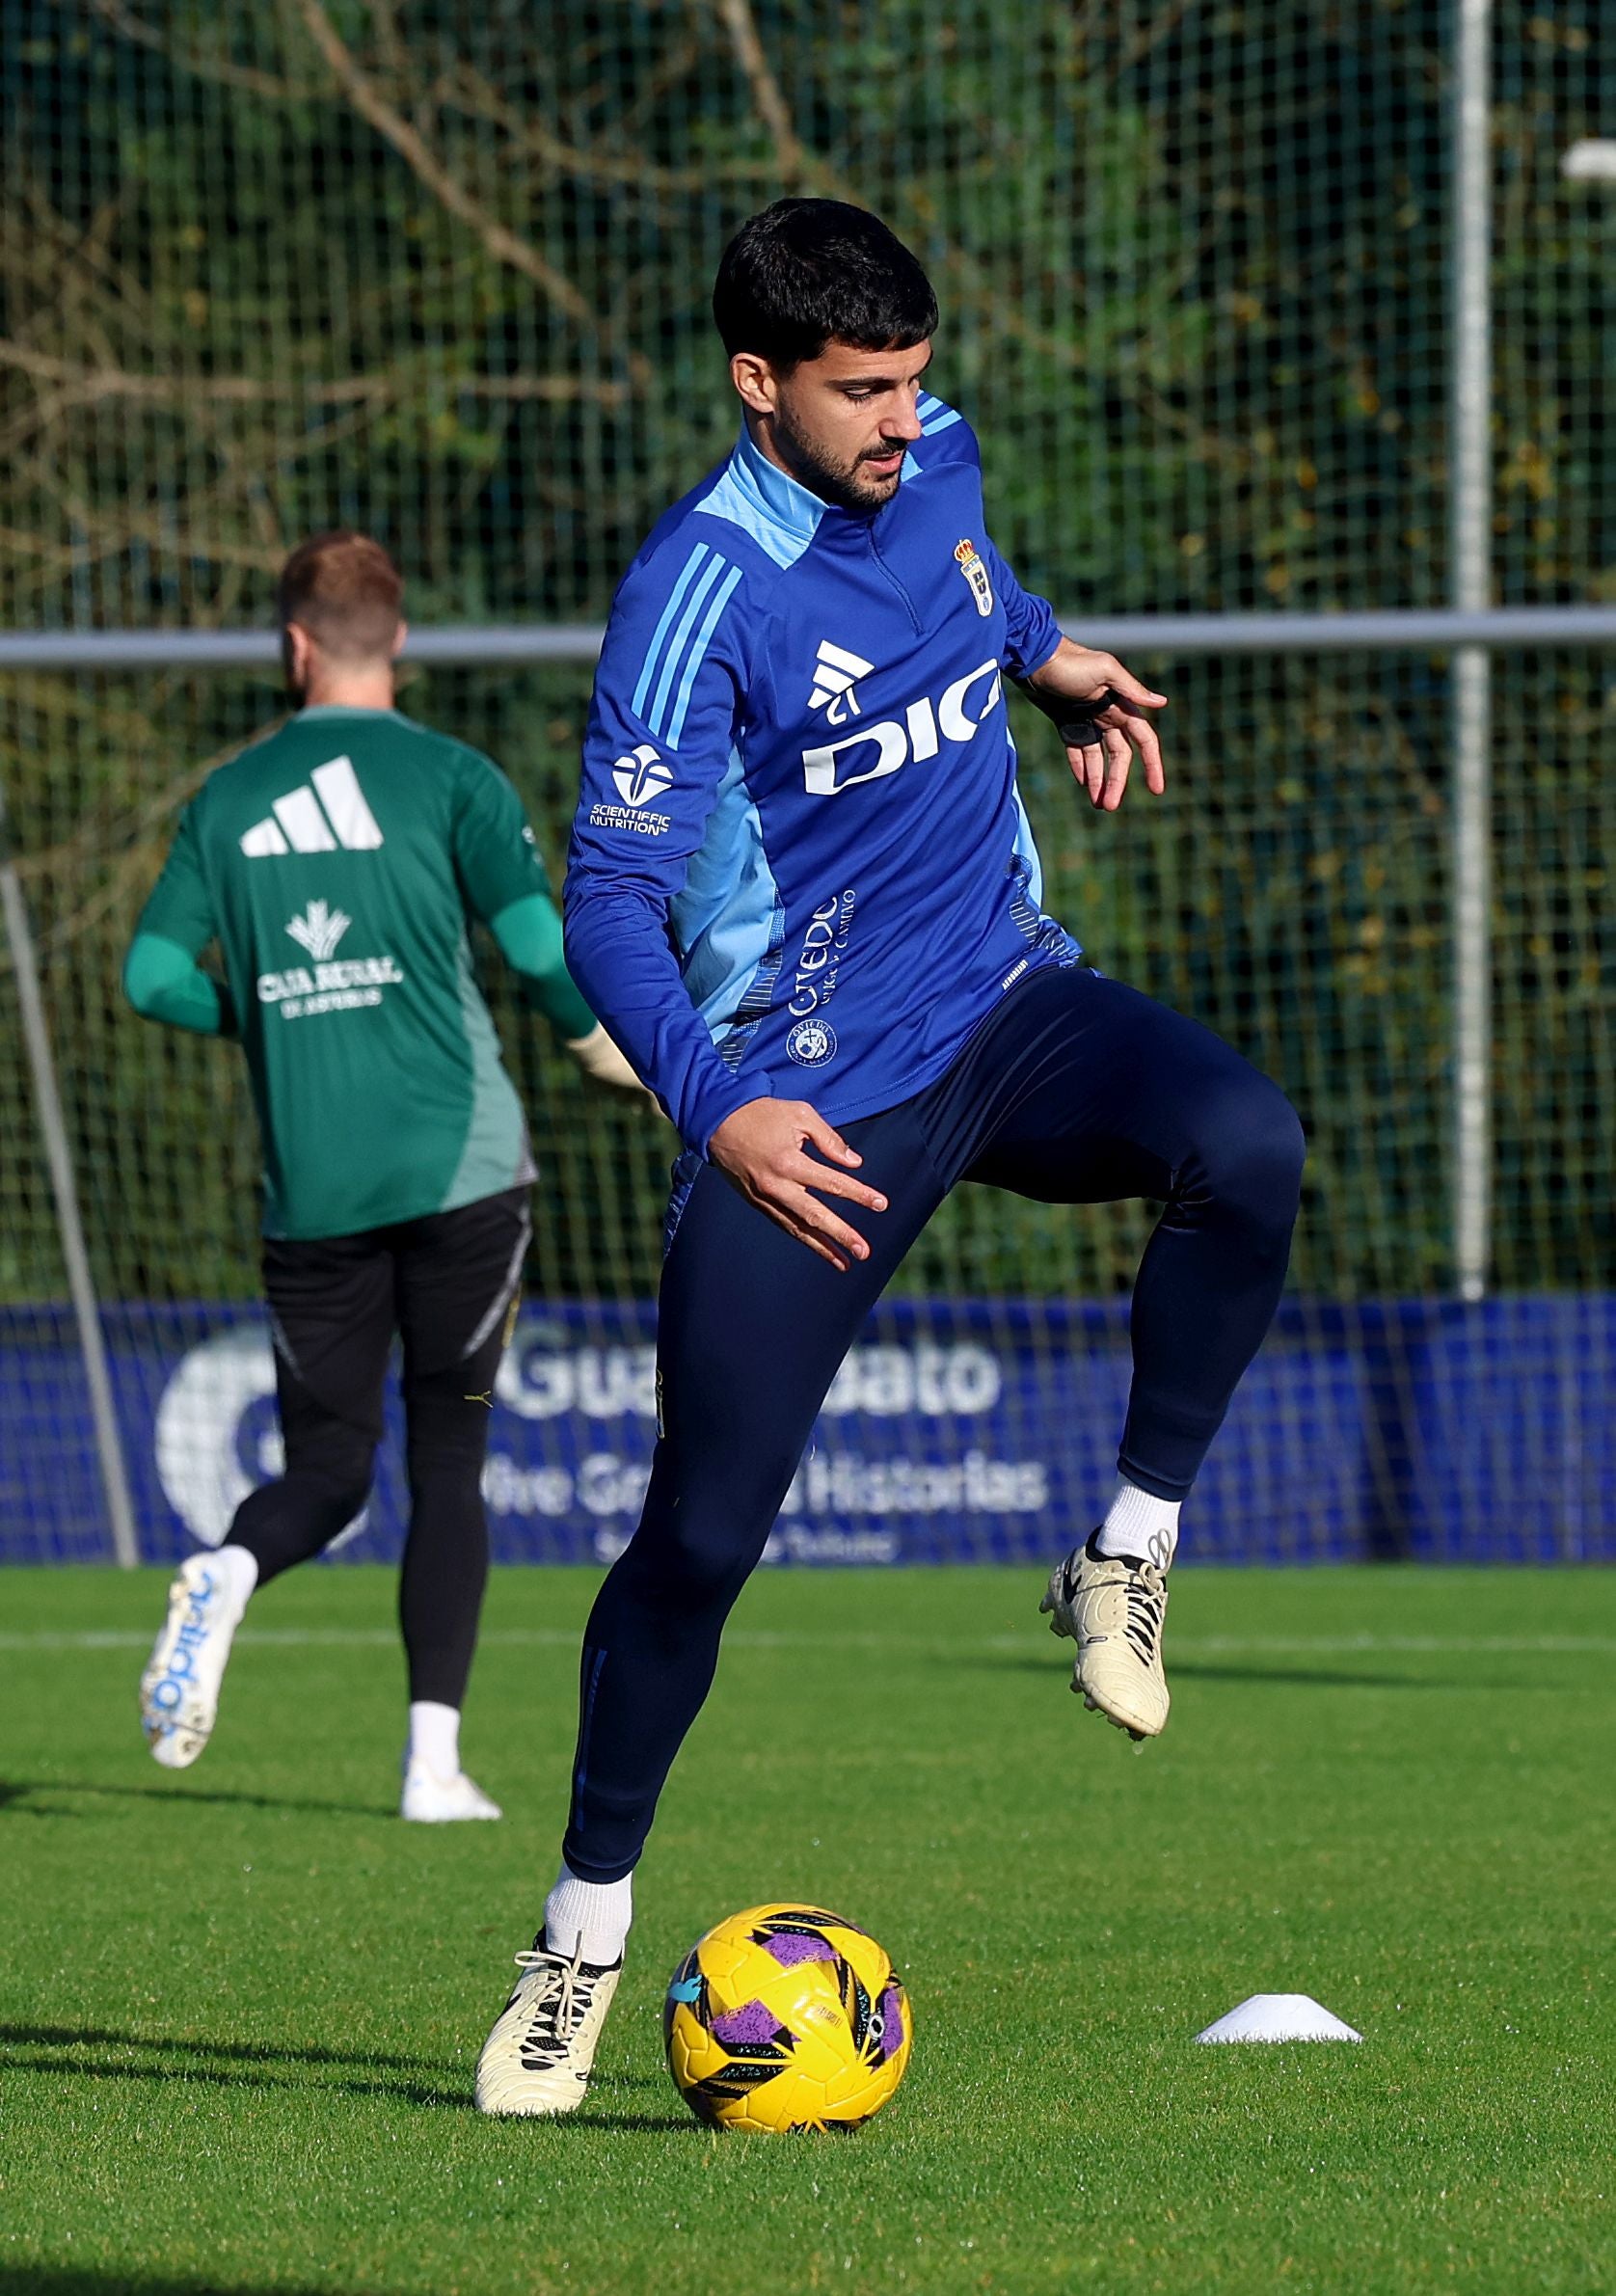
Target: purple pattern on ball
892, 2023
788, 1948
743, 2028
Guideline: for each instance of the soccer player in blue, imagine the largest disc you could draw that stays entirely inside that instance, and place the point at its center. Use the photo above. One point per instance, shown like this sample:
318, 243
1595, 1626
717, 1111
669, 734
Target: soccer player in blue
805, 899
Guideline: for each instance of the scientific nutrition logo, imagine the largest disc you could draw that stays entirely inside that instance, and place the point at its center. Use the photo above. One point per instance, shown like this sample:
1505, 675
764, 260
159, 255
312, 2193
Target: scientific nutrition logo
638, 776
641, 776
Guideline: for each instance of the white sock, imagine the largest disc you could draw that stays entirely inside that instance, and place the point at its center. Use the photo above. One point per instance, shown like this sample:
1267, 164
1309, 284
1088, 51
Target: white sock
591, 1917
1140, 1526
435, 1738
238, 1571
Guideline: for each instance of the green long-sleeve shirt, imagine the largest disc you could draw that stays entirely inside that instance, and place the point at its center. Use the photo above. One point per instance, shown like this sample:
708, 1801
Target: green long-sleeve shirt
339, 863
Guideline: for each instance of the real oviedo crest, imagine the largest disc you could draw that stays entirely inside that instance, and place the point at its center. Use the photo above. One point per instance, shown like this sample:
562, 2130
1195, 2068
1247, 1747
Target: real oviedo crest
976, 574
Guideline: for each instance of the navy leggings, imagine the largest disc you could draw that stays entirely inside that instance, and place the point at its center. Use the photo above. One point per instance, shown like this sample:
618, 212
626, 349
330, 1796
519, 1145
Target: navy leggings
1076, 1090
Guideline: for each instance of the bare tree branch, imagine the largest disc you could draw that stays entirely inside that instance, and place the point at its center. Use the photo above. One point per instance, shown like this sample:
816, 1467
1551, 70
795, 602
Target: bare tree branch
89, 383
39, 414
736, 16
394, 53
103, 528
203, 67
430, 171
478, 94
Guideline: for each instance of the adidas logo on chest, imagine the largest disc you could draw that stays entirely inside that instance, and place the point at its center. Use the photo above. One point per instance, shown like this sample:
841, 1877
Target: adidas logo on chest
836, 676
329, 814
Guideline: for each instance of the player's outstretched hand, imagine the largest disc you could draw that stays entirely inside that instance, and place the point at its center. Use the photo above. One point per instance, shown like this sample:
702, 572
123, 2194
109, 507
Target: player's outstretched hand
1100, 711
761, 1150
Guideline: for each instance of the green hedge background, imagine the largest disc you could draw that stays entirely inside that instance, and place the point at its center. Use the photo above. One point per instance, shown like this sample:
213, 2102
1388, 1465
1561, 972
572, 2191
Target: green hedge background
443, 274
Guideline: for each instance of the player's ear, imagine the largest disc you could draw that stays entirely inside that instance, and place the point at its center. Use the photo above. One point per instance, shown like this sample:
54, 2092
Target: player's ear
296, 648
754, 380
400, 636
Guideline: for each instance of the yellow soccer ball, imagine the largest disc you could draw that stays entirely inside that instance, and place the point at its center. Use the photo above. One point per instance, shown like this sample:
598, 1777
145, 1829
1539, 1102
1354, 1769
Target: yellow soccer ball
786, 2017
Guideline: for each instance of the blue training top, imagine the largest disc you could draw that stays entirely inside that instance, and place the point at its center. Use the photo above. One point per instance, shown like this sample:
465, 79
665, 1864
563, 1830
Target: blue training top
801, 865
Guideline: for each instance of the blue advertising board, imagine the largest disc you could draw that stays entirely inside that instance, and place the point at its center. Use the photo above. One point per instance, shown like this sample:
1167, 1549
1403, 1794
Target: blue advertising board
958, 1431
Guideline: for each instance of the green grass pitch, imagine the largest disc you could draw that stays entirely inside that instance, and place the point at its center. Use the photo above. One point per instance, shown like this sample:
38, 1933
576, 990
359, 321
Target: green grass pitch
241, 2006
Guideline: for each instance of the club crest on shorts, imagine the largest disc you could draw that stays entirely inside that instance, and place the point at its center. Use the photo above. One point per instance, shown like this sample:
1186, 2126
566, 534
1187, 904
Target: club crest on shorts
810, 1043
976, 574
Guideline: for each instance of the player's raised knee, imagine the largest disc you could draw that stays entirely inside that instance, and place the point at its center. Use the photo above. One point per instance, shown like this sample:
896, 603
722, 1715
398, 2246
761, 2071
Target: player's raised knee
1253, 1147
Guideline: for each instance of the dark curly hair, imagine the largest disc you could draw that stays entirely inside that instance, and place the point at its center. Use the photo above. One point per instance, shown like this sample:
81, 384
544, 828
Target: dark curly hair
808, 272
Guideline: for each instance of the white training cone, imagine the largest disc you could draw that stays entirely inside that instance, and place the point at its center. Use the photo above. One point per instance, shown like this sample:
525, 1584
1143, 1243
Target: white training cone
1279, 2016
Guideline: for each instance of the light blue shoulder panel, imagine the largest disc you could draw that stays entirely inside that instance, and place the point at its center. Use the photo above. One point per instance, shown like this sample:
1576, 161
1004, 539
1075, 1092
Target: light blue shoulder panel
764, 501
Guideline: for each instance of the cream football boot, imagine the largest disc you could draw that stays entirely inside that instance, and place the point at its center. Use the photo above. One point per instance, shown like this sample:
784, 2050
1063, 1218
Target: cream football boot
537, 2057
1113, 1609
179, 1690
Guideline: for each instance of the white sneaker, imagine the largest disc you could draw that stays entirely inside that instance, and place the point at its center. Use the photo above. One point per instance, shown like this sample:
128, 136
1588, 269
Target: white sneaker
1113, 1609
538, 2056
179, 1690
432, 1800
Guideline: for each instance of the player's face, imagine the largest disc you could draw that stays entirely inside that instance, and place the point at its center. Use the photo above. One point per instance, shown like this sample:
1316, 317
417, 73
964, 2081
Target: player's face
842, 422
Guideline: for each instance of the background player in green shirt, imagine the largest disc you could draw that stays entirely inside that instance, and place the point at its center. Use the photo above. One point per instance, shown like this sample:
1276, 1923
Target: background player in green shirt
339, 863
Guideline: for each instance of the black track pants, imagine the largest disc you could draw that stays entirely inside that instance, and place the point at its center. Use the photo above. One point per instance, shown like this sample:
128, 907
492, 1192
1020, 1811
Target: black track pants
446, 1285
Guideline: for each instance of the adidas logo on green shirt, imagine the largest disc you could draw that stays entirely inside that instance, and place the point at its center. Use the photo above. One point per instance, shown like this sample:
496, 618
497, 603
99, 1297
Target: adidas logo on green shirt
317, 819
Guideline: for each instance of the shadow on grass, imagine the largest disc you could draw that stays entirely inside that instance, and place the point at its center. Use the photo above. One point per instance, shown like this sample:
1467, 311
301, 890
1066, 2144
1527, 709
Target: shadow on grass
73, 2067
64, 2049
81, 2279
15, 1801
581, 2123
262, 2064
607, 2084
